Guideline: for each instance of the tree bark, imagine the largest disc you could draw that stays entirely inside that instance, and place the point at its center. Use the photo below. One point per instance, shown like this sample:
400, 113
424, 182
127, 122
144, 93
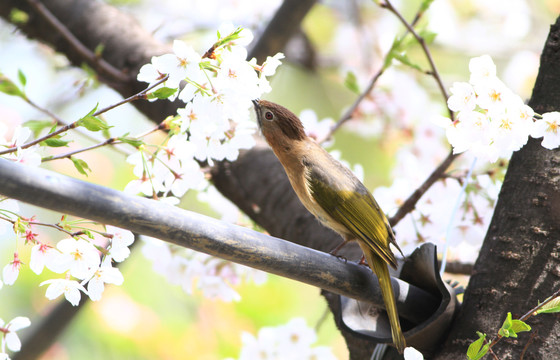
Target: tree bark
519, 263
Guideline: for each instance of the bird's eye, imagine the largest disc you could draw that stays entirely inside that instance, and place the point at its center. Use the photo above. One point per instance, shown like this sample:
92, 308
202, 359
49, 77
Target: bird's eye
269, 115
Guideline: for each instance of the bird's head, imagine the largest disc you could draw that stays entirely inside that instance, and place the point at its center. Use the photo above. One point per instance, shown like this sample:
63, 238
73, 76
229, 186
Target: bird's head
278, 124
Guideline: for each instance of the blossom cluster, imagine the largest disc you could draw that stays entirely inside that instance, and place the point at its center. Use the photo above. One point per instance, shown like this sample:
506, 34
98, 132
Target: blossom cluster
216, 88
293, 340
492, 121
190, 269
79, 259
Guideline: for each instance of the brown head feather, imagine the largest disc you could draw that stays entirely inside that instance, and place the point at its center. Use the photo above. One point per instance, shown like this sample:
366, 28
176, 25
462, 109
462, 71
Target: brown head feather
284, 119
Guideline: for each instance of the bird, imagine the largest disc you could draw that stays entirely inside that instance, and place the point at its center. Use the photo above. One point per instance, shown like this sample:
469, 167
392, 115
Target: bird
335, 196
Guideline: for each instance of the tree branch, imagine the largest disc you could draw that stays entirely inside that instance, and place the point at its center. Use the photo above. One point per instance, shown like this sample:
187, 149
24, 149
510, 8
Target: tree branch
100, 65
281, 28
198, 232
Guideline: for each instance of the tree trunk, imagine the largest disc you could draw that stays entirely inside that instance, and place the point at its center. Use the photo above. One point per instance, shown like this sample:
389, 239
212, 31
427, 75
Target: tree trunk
519, 263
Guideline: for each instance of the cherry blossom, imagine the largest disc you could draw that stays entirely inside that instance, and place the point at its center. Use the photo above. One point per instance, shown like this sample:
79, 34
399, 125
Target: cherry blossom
28, 156
315, 128
11, 270
463, 97
80, 257
42, 254
105, 274
548, 129
411, 353
183, 63
10, 338
120, 242
70, 288
482, 69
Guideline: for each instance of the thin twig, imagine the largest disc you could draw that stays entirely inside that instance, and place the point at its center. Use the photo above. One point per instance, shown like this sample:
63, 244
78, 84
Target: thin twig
110, 141
54, 226
534, 310
137, 96
531, 339
61, 122
457, 267
45, 111
57, 227
530, 313
74, 124
42, 138
350, 111
86, 53
422, 42
492, 352
460, 175
413, 199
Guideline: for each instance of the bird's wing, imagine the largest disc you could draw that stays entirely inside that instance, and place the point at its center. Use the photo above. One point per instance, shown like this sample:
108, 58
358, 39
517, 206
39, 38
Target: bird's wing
352, 205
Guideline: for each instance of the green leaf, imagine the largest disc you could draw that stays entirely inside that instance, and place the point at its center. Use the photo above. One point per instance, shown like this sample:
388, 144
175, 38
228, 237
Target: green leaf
511, 327
98, 51
351, 82
80, 165
105, 132
477, 349
391, 54
54, 142
38, 125
406, 61
230, 37
428, 36
18, 17
425, 5
551, 307
131, 141
507, 322
21, 77
483, 351
162, 93
88, 233
505, 330
520, 326
8, 87
93, 123
506, 333
400, 44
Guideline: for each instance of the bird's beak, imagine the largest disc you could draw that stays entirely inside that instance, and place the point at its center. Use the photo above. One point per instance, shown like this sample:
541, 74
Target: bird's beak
257, 110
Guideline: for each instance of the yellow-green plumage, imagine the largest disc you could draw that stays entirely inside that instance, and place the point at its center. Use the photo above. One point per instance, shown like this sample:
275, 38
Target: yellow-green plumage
335, 196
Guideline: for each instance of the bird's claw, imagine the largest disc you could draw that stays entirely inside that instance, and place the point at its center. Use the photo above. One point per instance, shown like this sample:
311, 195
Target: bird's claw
339, 257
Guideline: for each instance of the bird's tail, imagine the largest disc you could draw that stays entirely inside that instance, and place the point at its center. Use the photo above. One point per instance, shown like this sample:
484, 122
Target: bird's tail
379, 267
